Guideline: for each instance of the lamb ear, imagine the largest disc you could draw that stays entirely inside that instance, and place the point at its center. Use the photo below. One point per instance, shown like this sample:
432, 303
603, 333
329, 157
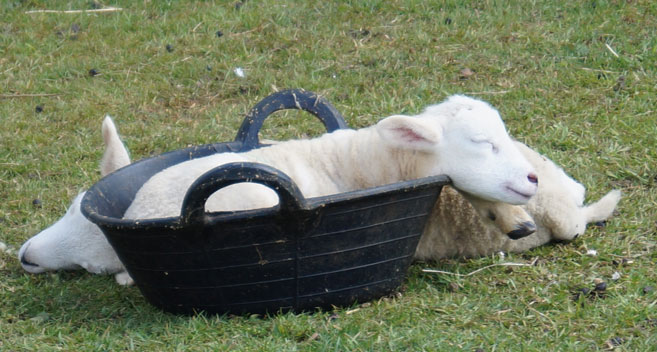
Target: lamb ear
408, 132
116, 155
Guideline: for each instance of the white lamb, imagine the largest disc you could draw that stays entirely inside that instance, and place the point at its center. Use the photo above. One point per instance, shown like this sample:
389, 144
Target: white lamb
470, 228
74, 242
462, 137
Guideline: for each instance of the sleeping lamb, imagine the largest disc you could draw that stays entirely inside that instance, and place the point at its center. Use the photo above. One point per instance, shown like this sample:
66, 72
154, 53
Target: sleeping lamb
462, 138
73, 241
470, 228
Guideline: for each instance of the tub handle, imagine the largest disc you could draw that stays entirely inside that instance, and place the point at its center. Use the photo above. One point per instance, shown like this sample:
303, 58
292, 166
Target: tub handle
193, 206
287, 99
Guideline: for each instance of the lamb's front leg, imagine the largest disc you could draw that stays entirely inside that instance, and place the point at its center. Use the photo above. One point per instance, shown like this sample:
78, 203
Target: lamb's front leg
512, 220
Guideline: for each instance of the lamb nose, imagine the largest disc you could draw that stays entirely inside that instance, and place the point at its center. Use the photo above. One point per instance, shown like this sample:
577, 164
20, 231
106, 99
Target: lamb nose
26, 262
532, 178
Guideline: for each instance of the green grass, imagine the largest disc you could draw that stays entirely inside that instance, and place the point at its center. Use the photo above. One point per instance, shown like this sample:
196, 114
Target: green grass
547, 65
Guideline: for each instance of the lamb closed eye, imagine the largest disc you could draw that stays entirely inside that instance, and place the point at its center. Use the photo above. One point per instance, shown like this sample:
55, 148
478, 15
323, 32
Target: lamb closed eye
492, 145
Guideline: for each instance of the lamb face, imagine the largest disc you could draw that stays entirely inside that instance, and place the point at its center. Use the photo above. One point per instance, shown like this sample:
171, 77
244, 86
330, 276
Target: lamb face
513, 220
72, 242
477, 153
463, 226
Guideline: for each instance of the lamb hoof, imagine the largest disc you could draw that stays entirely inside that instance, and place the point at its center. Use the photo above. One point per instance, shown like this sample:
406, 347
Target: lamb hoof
523, 230
124, 279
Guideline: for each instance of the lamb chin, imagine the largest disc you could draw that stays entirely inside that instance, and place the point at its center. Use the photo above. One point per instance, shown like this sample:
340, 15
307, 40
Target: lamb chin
524, 196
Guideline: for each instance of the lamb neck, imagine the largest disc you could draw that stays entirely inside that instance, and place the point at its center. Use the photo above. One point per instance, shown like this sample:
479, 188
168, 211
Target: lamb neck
343, 161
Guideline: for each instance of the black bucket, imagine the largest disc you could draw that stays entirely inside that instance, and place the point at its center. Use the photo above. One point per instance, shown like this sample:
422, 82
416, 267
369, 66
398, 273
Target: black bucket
299, 255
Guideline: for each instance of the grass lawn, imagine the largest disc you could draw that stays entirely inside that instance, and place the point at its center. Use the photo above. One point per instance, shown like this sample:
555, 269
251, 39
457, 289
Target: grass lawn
577, 80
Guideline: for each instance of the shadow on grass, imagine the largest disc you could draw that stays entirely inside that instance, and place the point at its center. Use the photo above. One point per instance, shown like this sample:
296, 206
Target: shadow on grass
73, 296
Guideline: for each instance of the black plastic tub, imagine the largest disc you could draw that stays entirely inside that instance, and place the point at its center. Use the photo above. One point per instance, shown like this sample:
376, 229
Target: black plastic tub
300, 255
